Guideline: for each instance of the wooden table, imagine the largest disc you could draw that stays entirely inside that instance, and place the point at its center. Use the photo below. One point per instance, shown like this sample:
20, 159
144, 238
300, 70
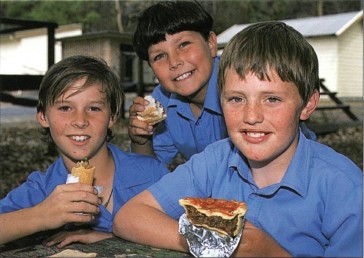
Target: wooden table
113, 247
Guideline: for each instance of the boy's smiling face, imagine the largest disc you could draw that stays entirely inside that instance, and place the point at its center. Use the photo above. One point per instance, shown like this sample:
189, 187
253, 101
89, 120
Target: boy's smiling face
262, 117
183, 63
78, 121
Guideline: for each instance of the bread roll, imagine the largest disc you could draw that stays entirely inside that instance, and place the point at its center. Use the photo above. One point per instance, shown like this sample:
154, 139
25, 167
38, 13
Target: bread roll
84, 171
153, 113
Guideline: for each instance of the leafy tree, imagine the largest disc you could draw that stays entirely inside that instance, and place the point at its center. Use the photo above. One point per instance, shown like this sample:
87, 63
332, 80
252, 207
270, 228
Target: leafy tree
120, 15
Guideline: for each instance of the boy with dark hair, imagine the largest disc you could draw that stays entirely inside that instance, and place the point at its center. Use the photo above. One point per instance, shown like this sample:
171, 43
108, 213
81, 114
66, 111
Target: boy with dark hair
303, 198
177, 40
79, 101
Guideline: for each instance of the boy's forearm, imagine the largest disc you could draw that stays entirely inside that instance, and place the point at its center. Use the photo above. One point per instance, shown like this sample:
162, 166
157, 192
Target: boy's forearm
256, 243
18, 224
146, 225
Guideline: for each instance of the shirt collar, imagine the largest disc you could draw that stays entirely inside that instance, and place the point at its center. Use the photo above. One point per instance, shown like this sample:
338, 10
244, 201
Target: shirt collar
296, 174
128, 179
212, 100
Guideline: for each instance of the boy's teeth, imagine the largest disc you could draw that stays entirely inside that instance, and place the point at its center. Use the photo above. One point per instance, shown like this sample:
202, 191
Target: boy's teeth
255, 134
183, 76
79, 138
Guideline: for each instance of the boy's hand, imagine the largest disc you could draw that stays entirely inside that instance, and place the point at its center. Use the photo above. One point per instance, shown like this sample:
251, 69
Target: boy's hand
85, 236
74, 202
256, 243
139, 131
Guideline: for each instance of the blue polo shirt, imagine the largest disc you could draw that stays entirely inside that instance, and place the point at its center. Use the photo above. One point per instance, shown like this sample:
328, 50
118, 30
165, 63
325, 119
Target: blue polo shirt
182, 131
316, 210
133, 174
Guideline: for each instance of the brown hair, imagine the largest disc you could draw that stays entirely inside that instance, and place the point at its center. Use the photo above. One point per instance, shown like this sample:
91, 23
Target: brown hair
264, 46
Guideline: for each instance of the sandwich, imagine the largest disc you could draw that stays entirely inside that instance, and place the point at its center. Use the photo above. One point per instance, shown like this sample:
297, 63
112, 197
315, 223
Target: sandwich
222, 216
153, 113
84, 171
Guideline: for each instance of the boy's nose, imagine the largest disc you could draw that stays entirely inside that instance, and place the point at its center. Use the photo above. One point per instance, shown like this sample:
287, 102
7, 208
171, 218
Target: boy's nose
80, 121
253, 113
174, 62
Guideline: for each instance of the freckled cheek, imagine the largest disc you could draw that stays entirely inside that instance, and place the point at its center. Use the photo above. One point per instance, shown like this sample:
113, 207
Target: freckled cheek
284, 122
232, 118
160, 71
57, 127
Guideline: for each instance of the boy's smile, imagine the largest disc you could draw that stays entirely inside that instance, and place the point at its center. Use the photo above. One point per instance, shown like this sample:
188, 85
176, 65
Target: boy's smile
262, 117
183, 62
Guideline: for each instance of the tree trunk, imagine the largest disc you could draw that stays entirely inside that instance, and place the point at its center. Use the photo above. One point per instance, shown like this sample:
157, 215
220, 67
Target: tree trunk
320, 11
119, 15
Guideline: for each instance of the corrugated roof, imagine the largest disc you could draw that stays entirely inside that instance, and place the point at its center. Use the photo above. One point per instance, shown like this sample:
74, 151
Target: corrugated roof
326, 25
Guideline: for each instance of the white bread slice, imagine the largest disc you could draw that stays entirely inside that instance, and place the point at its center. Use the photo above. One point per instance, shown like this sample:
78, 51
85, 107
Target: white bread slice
153, 113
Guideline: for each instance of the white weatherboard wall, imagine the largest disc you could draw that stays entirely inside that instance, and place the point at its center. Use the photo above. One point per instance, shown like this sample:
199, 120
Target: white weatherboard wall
25, 52
326, 51
350, 64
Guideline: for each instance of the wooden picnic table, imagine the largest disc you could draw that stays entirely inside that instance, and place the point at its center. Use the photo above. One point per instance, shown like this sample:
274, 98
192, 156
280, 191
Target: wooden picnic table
112, 247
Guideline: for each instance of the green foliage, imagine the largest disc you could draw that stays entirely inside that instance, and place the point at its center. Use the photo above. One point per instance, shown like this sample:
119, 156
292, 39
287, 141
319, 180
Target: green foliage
101, 15
62, 12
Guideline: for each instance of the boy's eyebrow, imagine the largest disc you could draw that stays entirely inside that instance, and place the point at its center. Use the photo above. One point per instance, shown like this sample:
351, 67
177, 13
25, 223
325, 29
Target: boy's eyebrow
60, 101
101, 102
241, 91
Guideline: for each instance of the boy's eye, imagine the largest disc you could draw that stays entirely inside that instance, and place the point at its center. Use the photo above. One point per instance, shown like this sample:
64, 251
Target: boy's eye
235, 99
158, 57
64, 108
95, 109
184, 44
273, 99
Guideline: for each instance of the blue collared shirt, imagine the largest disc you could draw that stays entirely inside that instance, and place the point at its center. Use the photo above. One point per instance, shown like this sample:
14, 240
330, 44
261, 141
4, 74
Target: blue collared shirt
133, 174
182, 132
316, 209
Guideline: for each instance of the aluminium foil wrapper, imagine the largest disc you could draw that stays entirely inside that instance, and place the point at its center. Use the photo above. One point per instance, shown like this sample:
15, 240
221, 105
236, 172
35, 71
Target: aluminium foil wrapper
207, 243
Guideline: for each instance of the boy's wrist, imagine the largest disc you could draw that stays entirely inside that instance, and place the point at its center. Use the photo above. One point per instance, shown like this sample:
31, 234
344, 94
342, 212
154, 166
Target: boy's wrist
139, 143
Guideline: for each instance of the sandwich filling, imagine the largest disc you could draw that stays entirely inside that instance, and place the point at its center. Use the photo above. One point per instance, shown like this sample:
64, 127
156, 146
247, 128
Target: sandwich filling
219, 215
153, 112
84, 171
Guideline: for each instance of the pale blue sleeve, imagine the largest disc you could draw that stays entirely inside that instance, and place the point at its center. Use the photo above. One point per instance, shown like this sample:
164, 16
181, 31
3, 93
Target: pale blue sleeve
28, 194
163, 144
344, 225
189, 179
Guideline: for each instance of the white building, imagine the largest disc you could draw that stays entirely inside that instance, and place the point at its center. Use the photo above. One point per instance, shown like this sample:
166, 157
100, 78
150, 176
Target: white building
25, 52
338, 42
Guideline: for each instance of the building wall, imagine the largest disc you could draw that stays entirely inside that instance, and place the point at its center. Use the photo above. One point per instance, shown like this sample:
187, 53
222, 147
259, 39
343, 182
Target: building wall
350, 63
25, 52
326, 51
26, 55
104, 48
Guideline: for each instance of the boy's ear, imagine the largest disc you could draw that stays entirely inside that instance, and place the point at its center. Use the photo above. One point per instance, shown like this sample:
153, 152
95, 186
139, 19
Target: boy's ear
310, 106
212, 41
112, 121
42, 120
